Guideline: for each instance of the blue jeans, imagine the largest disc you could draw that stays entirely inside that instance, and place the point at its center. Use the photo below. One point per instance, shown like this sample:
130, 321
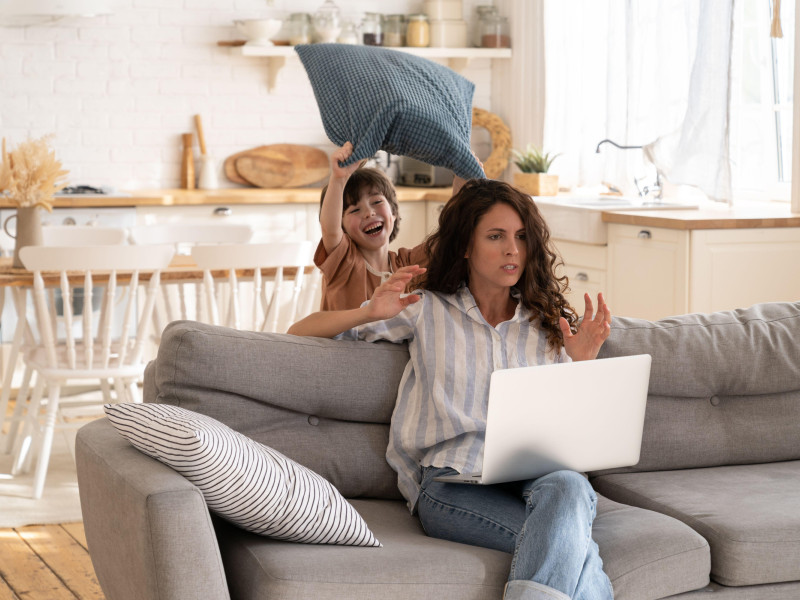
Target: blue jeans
546, 523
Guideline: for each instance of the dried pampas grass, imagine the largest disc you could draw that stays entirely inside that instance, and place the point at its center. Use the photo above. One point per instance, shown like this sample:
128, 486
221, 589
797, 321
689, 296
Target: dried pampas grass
30, 175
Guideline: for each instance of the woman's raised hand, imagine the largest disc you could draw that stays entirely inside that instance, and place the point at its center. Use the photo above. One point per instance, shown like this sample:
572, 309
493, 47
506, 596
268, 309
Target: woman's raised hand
592, 331
388, 298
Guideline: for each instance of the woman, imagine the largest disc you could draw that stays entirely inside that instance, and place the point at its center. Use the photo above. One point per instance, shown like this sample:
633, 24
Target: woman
490, 300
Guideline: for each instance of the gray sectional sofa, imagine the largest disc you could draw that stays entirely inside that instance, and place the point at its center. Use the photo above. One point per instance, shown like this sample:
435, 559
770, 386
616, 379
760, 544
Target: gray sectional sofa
712, 510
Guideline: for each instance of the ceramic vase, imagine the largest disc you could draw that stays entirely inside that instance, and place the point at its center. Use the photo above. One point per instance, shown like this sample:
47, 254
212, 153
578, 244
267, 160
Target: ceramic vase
29, 230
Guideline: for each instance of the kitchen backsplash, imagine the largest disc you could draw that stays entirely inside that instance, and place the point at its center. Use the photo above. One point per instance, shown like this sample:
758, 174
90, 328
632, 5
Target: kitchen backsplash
119, 90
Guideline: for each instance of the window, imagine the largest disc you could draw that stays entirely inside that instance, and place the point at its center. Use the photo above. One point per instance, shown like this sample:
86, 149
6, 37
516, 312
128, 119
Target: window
762, 75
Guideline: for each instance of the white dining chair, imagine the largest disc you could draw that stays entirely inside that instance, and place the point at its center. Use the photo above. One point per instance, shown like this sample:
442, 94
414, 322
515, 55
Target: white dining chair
258, 287
101, 352
52, 235
186, 235
181, 300
83, 235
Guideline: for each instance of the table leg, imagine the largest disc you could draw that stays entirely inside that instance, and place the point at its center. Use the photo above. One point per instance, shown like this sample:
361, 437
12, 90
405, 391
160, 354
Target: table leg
22, 329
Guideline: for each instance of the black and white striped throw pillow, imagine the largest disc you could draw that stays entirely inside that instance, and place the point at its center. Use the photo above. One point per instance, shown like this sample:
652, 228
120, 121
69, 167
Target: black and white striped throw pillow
245, 482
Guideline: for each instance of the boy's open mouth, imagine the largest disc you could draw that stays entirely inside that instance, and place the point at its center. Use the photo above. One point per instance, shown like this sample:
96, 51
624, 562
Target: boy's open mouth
374, 229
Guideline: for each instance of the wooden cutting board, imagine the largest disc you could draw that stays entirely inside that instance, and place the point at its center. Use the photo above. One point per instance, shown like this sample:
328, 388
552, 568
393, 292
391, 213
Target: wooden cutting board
278, 165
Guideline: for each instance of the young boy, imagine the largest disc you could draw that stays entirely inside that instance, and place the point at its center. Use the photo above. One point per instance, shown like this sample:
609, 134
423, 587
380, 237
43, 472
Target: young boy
359, 218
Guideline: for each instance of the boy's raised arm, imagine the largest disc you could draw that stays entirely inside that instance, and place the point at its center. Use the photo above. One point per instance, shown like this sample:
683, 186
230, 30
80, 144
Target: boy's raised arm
330, 215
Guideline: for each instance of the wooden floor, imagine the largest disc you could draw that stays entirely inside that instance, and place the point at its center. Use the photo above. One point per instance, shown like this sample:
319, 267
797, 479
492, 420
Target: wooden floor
46, 562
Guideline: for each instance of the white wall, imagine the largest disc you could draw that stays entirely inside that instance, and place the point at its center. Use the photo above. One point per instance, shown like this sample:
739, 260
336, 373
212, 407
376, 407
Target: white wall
118, 91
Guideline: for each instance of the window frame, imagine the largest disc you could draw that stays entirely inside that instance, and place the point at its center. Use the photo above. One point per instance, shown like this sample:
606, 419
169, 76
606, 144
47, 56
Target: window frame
795, 204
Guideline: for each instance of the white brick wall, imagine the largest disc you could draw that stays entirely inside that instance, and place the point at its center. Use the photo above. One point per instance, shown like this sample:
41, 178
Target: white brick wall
119, 90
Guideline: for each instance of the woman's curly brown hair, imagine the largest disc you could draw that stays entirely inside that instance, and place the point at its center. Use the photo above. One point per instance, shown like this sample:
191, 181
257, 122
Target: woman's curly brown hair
541, 290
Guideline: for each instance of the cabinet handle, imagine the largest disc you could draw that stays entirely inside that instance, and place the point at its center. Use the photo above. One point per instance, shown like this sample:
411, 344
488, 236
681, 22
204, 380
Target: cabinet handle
581, 276
223, 211
644, 234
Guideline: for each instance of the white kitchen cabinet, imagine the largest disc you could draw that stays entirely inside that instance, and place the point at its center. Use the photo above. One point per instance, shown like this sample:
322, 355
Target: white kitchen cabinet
656, 272
648, 268
733, 268
271, 222
412, 225
585, 266
280, 222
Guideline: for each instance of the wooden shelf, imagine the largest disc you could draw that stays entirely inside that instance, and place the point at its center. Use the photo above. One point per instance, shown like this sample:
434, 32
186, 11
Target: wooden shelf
457, 58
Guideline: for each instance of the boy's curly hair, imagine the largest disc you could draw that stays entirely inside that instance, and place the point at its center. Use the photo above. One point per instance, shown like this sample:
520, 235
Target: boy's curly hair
541, 290
371, 179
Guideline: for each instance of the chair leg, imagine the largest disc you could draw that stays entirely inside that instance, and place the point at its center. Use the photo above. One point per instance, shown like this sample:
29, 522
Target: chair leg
133, 391
15, 421
23, 443
119, 389
47, 440
106, 388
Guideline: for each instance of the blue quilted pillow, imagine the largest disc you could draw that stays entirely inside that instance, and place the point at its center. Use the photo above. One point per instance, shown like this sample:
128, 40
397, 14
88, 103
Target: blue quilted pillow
382, 99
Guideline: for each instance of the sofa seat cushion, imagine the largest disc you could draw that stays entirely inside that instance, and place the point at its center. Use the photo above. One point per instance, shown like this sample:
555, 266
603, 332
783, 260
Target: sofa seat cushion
748, 514
647, 555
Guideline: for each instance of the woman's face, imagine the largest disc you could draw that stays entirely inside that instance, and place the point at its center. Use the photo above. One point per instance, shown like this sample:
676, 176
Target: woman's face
497, 252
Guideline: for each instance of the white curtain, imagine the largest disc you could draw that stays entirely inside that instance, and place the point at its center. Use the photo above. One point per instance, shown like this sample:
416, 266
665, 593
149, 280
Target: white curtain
652, 73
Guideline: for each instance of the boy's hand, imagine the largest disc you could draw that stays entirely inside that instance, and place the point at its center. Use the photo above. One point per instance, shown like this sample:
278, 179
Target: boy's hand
339, 156
388, 300
592, 332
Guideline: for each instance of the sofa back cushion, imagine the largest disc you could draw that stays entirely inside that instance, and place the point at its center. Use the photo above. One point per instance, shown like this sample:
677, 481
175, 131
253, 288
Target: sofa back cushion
323, 403
724, 387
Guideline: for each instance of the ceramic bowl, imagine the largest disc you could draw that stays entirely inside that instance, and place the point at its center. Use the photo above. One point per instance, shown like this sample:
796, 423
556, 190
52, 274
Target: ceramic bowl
258, 31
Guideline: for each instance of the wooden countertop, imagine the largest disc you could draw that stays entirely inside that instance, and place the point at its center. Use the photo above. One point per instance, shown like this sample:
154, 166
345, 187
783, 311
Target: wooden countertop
178, 197
737, 217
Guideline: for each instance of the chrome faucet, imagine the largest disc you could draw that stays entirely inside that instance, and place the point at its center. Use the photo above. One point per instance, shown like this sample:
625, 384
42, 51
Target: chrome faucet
645, 191
607, 141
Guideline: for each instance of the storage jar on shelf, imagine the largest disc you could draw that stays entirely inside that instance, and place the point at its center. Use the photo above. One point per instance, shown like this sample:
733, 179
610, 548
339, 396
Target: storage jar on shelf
299, 28
394, 30
443, 10
482, 12
418, 32
326, 23
448, 33
495, 32
372, 29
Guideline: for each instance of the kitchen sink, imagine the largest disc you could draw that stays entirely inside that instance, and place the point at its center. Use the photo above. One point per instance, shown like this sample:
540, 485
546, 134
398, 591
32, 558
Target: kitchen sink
580, 219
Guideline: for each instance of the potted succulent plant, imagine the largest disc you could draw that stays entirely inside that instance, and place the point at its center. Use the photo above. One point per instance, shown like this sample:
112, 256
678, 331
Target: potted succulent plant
533, 178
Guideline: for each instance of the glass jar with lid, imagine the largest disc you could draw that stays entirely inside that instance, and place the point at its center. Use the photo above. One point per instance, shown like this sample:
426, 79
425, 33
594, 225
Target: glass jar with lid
349, 34
394, 30
482, 12
372, 29
299, 28
418, 31
326, 23
495, 32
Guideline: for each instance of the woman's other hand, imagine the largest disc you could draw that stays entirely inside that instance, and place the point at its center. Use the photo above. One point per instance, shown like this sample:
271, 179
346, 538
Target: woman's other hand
592, 331
388, 299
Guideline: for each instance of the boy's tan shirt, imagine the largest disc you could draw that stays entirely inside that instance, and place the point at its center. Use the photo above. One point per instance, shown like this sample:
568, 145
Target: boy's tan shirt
346, 282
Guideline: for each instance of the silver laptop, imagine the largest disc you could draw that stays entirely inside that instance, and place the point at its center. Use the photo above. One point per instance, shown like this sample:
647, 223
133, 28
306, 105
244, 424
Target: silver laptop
582, 416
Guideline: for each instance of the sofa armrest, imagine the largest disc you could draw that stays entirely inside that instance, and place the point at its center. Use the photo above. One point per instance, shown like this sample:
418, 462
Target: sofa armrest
148, 529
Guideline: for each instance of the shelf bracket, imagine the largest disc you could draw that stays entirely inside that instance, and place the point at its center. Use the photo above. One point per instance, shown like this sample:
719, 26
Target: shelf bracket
274, 65
458, 63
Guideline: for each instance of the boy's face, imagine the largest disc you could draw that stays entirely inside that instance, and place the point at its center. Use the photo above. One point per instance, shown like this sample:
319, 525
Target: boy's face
370, 222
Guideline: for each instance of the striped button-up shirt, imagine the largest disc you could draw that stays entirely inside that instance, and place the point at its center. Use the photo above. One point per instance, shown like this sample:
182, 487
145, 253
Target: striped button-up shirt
440, 416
